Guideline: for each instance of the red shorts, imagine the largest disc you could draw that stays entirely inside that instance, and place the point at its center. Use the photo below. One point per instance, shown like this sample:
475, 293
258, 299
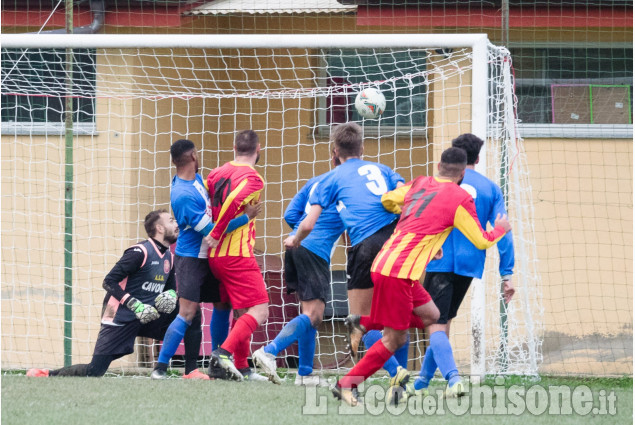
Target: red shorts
394, 300
241, 281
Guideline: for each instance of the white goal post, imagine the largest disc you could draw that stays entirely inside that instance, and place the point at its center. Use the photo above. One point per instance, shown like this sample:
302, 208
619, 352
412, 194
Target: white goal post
149, 90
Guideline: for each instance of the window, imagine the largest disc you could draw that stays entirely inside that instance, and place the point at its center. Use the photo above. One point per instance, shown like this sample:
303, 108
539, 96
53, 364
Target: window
399, 76
33, 87
585, 90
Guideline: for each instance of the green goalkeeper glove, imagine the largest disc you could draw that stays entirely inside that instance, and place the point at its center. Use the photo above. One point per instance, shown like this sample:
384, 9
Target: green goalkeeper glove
165, 302
144, 312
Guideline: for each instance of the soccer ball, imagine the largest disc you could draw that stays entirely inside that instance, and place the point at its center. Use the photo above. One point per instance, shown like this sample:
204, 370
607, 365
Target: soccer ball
370, 103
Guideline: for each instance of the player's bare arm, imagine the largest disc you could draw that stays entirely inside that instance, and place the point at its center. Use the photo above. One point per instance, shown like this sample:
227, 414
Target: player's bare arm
289, 242
306, 226
508, 290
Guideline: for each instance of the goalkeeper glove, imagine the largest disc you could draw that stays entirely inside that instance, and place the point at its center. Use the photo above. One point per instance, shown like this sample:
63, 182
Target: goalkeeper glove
144, 312
165, 302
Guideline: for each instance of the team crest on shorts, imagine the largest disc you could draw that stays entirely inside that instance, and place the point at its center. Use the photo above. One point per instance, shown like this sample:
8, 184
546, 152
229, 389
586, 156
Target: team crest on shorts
166, 266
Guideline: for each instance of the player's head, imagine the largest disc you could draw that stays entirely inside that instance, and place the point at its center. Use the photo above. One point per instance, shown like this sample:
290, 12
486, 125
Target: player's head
161, 225
247, 144
348, 141
452, 165
471, 144
184, 153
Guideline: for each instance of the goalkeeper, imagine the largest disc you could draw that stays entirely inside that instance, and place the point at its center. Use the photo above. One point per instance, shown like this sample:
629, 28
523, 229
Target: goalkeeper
140, 299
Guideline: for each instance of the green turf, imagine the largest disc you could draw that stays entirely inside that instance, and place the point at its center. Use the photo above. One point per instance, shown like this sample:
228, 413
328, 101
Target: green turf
174, 401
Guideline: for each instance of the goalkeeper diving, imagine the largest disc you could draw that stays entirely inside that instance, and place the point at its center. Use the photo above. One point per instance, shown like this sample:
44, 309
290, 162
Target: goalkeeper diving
140, 299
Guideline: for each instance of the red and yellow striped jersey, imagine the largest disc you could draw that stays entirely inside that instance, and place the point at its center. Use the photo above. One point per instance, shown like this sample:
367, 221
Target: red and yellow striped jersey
430, 208
231, 187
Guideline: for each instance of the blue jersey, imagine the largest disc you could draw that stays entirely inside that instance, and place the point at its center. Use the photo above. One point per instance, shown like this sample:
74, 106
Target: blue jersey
193, 212
459, 255
328, 228
356, 187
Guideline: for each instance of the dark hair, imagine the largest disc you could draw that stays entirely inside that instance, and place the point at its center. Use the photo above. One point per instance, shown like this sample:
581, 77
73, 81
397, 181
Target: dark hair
453, 162
179, 149
150, 222
348, 139
471, 144
246, 142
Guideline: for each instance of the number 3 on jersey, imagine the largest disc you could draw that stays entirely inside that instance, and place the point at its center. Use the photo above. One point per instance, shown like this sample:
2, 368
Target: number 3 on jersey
376, 182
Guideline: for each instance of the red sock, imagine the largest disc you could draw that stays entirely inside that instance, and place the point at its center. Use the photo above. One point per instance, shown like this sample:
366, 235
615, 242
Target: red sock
371, 363
241, 354
368, 324
242, 330
416, 322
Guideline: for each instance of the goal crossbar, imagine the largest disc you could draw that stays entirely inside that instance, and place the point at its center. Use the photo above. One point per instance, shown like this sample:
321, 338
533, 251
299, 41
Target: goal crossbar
271, 41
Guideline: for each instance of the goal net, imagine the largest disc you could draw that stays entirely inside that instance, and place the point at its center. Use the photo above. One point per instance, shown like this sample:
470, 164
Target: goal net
72, 205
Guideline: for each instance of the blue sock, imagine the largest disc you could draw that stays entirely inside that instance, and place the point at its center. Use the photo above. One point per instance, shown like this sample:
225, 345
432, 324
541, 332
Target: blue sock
427, 370
402, 353
172, 339
306, 348
219, 327
443, 356
289, 334
369, 339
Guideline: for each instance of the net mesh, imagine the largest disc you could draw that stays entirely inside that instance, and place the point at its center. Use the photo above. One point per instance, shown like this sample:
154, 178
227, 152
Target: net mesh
133, 103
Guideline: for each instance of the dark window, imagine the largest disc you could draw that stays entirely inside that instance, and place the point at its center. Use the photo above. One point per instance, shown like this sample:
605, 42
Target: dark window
398, 74
34, 86
574, 85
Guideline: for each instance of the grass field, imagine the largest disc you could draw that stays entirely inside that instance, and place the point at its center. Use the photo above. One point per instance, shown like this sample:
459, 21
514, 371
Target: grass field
174, 401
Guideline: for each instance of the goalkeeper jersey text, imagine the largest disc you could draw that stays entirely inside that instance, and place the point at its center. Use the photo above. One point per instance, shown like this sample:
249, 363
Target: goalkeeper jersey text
430, 208
144, 284
460, 256
356, 188
231, 187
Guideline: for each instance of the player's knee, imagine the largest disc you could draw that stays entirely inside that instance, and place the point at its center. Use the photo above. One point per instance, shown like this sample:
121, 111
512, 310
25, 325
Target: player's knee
435, 314
431, 315
314, 311
394, 339
392, 344
259, 312
316, 321
317, 314
264, 316
400, 340
189, 310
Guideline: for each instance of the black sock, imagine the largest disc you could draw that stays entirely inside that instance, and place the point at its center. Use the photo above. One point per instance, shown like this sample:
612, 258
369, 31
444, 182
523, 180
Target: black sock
192, 343
73, 370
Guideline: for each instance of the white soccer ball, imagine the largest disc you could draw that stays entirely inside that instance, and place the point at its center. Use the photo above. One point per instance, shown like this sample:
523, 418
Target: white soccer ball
370, 103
